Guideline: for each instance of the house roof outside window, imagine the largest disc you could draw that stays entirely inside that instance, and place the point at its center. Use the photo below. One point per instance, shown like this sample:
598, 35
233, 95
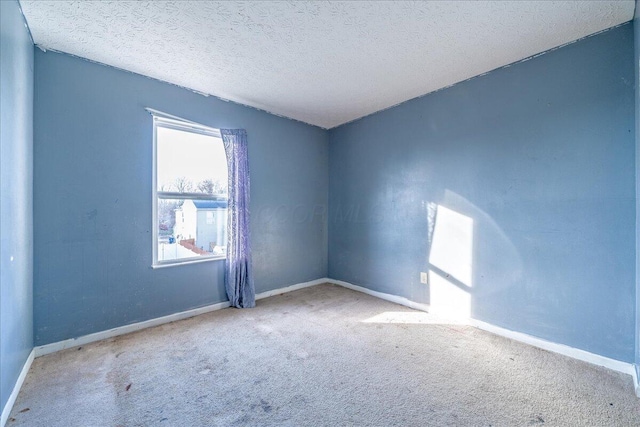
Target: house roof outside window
210, 204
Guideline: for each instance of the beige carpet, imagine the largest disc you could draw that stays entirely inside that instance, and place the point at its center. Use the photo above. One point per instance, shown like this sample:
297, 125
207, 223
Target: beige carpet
321, 356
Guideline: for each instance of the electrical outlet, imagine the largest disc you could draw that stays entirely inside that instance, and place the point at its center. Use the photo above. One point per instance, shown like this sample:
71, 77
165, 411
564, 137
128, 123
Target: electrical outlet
424, 278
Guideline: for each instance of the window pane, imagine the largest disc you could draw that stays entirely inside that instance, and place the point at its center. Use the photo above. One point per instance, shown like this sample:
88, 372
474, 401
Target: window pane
190, 162
191, 228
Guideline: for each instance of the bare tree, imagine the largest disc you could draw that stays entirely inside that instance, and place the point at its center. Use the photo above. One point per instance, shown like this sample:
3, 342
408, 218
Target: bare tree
206, 186
209, 186
183, 185
167, 215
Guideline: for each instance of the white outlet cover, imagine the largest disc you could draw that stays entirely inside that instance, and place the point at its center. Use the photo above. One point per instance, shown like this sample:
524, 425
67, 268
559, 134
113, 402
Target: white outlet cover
424, 278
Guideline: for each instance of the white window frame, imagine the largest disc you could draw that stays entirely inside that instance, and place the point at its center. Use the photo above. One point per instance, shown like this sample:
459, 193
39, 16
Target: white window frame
172, 122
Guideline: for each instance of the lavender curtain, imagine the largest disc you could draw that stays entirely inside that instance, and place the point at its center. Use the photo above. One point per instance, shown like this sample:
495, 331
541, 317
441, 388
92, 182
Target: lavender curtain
238, 276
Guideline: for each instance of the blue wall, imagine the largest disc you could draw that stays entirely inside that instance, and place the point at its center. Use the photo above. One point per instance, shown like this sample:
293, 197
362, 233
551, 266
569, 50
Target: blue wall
92, 199
540, 157
16, 196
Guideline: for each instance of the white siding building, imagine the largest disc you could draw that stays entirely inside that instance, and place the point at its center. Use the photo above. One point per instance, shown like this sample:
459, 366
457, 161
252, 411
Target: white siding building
205, 221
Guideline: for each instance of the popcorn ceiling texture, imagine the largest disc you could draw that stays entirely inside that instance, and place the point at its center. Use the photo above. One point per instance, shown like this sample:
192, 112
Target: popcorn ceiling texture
323, 63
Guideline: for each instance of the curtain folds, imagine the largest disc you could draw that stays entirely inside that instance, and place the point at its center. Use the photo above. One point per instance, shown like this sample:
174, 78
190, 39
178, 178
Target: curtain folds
238, 274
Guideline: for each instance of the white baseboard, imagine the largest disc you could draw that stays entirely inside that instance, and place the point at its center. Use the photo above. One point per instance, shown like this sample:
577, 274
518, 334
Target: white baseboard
291, 288
121, 330
6, 411
636, 381
388, 297
585, 356
565, 350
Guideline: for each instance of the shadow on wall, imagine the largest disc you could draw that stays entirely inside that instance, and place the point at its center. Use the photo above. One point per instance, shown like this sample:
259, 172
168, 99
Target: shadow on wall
453, 241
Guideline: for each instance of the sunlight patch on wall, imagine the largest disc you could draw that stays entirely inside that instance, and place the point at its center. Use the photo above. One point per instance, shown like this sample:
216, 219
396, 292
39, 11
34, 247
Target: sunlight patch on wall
451, 264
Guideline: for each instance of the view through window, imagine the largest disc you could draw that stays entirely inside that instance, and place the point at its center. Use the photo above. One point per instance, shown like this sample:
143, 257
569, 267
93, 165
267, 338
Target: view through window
191, 193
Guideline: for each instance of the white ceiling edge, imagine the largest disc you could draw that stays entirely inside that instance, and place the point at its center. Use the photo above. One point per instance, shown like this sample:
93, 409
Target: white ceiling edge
206, 95
322, 63
536, 55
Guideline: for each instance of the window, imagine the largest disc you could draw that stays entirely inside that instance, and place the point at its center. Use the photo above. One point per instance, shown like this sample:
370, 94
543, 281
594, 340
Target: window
189, 192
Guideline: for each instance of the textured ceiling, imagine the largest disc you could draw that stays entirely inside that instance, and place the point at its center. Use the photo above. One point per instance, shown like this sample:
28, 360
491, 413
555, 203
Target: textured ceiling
324, 63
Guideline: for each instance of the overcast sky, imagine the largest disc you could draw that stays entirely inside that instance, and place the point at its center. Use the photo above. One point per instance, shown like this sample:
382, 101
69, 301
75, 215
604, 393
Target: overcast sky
195, 156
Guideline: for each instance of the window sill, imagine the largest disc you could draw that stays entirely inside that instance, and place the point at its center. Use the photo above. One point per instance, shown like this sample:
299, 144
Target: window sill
187, 262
